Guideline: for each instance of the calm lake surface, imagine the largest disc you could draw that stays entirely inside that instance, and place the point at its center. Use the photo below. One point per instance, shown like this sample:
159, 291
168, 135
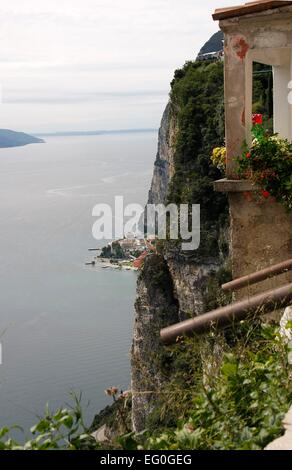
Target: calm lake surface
64, 326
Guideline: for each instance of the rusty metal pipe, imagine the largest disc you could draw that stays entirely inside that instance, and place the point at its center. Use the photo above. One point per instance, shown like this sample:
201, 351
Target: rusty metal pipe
224, 316
258, 276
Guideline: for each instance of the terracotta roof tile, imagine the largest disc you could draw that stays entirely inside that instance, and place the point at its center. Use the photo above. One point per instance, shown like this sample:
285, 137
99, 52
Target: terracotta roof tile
249, 8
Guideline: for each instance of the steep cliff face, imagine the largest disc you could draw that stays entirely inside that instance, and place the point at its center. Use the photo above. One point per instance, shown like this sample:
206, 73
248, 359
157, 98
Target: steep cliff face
189, 281
155, 307
164, 163
182, 278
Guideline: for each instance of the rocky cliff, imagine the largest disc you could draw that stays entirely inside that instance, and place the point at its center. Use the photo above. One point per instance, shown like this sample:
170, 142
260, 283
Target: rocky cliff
184, 282
155, 307
164, 163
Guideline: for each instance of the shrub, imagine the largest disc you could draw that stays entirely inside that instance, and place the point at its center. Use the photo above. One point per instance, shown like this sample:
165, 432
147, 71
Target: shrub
63, 429
234, 398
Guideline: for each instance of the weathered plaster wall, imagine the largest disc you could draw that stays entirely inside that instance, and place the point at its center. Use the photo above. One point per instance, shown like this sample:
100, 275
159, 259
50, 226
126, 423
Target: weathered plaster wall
261, 234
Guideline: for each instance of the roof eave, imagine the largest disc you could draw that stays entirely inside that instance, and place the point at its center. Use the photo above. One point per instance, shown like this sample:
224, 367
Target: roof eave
249, 8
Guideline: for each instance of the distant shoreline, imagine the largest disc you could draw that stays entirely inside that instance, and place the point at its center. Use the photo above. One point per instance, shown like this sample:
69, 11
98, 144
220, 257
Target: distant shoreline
11, 139
93, 133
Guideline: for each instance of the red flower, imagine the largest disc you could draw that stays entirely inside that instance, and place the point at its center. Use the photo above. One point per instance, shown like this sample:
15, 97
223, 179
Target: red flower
257, 119
248, 155
266, 194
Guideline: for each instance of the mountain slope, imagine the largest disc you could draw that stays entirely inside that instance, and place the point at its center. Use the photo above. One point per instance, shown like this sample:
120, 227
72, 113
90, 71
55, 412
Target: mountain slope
10, 138
215, 44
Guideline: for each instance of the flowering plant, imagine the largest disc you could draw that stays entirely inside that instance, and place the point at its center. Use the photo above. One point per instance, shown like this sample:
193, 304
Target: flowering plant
268, 164
218, 158
257, 119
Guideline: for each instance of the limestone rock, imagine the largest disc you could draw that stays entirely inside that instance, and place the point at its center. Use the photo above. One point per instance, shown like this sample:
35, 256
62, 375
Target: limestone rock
164, 163
155, 308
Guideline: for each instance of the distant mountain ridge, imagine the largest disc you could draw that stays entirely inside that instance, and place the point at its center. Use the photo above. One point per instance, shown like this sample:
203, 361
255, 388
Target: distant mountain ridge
212, 46
92, 133
10, 138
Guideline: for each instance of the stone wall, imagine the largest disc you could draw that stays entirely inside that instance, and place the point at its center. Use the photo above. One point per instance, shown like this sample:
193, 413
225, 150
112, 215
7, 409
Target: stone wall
261, 234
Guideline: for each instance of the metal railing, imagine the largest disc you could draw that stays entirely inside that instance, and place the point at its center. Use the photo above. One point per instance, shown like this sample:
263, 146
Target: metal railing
237, 311
259, 276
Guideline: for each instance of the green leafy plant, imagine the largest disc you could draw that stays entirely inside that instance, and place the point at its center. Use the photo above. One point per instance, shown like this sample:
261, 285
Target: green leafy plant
268, 164
197, 102
234, 398
63, 429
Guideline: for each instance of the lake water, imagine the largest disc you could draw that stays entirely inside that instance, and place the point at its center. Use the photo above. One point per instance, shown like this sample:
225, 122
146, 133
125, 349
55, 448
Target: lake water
64, 326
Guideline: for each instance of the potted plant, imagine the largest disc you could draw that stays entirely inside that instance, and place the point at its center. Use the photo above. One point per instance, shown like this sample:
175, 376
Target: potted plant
267, 163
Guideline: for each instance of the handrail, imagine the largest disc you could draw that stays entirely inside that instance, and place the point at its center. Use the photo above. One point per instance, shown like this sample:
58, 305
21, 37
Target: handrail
259, 276
224, 316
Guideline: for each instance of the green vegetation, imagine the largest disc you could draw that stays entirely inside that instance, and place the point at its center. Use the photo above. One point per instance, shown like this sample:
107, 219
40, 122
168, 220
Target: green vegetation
228, 391
116, 417
214, 296
61, 429
197, 99
113, 251
197, 96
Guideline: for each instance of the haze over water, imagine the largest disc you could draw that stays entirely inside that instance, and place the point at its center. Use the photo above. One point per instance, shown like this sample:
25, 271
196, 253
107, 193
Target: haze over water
64, 326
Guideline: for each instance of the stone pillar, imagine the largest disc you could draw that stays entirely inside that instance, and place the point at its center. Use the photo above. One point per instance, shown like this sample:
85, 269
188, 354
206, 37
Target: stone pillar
290, 95
235, 85
282, 112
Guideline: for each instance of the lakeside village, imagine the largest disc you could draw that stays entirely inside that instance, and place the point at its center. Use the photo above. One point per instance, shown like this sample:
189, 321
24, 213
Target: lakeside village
128, 253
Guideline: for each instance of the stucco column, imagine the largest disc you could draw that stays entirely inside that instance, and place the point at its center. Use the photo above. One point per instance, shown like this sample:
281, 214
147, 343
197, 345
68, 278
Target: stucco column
289, 97
235, 87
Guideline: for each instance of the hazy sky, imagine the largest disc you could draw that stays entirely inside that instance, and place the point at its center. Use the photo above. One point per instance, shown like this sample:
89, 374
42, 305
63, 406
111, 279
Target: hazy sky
95, 64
